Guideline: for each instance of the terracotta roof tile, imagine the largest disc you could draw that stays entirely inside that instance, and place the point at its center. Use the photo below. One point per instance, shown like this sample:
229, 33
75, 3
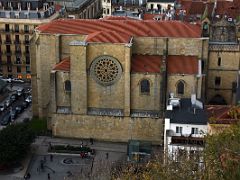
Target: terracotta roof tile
129, 27
116, 18
220, 113
182, 64
63, 65
146, 63
108, 37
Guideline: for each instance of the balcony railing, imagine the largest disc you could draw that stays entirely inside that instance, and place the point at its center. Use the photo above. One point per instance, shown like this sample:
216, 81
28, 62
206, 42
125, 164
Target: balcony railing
8, 42
26, 42
17, 42
18, 52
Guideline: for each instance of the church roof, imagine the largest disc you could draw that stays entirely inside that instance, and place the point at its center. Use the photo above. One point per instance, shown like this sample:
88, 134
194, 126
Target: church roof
146, 63
148, 28
182, 65
108, 37
63, 65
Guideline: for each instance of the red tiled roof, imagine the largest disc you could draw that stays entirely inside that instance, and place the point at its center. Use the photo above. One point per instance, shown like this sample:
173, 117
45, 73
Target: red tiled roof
63, 65
118, 18
220, 113
182, 64
108, 37
146, 63
129, 27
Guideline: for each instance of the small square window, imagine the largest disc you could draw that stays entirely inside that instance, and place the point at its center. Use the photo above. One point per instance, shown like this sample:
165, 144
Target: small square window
194, 131
178, 129
217, 81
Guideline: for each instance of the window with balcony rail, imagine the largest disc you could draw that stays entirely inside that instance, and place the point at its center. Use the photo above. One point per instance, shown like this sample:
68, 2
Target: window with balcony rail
8, 49
19, 69
27, 50
9, 61
9, 68
26, 28
8, 38
16, 27
18, 60
28, 69
17, 39
27, 60
7, 29
26, 39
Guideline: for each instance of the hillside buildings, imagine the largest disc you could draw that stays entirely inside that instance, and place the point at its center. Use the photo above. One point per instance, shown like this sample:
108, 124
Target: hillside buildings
17, 23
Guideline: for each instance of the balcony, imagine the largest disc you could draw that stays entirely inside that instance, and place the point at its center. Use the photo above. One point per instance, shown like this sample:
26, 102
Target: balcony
187, 140
17, 62
26, 42
8, 53
8, 42
17, 42
18, 52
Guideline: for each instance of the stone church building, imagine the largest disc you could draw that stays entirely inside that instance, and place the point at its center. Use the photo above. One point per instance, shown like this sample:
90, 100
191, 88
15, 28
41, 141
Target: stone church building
110, 79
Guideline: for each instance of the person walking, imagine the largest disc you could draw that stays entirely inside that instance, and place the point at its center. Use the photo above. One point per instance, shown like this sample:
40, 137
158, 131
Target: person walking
48, 176
107, 155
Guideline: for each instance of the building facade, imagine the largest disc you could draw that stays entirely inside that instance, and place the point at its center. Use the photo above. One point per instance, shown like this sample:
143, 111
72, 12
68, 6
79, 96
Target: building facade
109, 79
17, 23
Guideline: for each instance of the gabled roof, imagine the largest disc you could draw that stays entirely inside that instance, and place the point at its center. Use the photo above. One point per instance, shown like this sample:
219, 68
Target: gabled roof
182, 65
146, 63
108, 37
63, 65
128, 27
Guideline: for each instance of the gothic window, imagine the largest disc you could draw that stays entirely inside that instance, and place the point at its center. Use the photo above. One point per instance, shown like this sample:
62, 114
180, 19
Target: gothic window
180, 87
145, 86
67, 86
106, 70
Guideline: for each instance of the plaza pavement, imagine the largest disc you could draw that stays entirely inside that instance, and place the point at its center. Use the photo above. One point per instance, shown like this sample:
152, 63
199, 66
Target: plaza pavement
96, 167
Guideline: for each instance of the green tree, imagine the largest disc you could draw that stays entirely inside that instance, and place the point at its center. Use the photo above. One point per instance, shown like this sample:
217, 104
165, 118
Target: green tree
221, 158
15, 141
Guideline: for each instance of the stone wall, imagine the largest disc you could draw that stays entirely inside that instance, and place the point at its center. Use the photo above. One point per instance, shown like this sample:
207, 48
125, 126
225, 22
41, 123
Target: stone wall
118, 129
190, 84
145, 101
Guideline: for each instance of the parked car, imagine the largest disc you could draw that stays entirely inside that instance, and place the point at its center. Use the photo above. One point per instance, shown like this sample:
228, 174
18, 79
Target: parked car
29, 99
13, 97
20, 91
13, 114
16, 80
25, 104
6, 119
19, 109
8, 102
9, 80
2, 107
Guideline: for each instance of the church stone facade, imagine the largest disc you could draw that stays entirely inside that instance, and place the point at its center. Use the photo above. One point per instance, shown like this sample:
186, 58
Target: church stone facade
110, 80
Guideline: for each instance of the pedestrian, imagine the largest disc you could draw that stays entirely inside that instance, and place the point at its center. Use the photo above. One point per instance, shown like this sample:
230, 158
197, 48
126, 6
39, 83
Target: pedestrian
91, 141
107, 155
38, 170
44, 158
48, 176
51, 157
81, 144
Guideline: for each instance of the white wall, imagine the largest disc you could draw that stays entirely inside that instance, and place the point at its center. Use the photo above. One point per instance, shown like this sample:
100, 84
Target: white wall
187, 128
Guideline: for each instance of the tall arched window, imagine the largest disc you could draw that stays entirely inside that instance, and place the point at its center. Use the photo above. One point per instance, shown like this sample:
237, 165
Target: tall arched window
67, 86
145, 86
180, 87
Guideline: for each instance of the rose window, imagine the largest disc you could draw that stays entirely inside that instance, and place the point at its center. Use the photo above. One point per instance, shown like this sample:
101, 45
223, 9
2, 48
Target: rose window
106, 70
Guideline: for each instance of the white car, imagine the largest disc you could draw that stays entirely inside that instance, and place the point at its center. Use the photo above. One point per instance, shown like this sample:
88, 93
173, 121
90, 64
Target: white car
16, 80
9, 80
28, 99
2, 108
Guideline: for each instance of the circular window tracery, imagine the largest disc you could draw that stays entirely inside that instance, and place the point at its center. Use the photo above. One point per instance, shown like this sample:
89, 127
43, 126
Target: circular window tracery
106, 70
